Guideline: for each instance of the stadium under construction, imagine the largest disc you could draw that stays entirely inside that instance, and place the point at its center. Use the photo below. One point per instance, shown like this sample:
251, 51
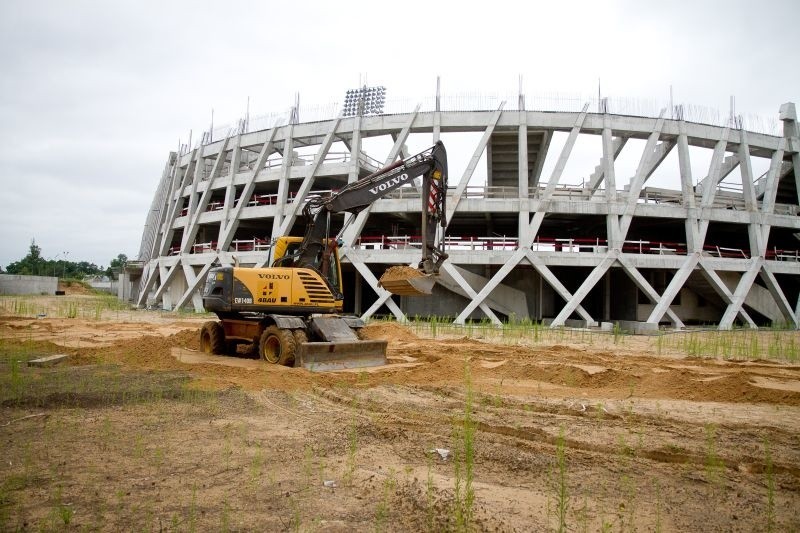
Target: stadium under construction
592, 213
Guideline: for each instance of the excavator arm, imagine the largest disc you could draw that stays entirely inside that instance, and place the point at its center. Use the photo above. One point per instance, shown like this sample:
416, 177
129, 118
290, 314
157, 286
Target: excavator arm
431, 165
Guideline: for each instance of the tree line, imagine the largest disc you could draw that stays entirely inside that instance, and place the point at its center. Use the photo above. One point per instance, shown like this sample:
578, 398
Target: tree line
34, 264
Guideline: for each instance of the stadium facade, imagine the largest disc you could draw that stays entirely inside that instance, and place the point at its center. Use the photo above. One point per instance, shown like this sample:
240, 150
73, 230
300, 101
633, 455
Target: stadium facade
528, 237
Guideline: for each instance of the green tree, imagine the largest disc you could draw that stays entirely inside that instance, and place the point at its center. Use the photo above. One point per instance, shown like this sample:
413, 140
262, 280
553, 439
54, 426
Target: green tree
32, 264
116, 265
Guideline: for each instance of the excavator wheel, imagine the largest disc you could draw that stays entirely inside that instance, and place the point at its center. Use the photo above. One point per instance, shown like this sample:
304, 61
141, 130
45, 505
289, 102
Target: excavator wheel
212, 338
277, 346
299, 338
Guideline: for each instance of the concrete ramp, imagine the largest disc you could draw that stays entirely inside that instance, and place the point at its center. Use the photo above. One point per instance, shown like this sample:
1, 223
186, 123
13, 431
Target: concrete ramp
758, 298
503, 299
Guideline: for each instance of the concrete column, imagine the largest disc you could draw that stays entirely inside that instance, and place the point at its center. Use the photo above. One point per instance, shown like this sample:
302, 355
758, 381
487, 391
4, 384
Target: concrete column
357, 293
437, 115
791, 132
612, 219
230, 190
523, 230
233, 217
283, 184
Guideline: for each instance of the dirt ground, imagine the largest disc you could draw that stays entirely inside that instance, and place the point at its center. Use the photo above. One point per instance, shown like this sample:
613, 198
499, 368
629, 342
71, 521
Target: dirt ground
139, 430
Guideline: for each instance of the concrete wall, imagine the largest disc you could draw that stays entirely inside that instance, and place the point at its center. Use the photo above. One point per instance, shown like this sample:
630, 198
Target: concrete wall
124, 286
109, 286
14, 284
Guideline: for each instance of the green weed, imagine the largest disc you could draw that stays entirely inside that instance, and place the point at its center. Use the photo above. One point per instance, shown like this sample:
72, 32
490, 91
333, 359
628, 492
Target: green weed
562, 494
713, 463
193, 510
464, 460
352, 451
618, 333
770, 480
429, 495
382, 511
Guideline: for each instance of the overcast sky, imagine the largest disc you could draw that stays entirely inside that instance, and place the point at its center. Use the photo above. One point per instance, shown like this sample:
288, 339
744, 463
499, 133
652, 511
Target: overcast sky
94, 95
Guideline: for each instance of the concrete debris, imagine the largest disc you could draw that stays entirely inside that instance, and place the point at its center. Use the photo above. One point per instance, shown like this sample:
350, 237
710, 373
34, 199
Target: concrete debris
443, 453
49, 360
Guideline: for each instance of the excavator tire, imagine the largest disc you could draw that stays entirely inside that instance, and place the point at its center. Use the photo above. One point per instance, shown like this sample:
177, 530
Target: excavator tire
299, 338
277, 346
212, 338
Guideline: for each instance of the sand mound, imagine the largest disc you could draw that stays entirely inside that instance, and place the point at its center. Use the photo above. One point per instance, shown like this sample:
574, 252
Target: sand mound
389, 331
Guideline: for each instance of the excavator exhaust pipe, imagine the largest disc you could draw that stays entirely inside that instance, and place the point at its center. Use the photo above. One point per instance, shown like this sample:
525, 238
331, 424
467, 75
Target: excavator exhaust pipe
407, 281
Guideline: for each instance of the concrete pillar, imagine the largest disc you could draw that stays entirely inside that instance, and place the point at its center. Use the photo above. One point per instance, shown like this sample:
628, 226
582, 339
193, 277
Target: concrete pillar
357, 293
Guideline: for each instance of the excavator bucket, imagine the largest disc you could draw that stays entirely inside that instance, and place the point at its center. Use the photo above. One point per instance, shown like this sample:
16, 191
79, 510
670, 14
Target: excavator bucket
407, 281
328, 356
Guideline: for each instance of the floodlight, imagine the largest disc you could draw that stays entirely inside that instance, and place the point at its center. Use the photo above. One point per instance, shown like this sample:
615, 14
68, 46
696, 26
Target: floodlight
365, 100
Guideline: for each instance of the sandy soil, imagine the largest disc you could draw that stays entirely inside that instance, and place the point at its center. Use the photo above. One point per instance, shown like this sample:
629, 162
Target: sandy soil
400, 273
622, 438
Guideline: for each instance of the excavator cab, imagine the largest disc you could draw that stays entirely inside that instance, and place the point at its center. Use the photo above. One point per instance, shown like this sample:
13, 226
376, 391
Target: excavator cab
326, 262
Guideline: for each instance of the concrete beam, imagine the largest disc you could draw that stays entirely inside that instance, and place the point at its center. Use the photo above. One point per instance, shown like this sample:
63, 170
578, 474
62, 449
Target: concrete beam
739, 295
384, 296
305, 187
355, 228
583, 291
193, 282
780, 298
555, 175
505, 299
722, 288
231, 223
678, 280
647, 289
499, 276
554, 282
452, 204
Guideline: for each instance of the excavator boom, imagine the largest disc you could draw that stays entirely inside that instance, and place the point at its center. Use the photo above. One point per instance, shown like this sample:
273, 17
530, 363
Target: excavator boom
431, 166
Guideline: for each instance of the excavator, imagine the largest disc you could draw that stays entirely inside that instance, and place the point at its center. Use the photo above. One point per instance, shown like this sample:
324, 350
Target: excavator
291, 311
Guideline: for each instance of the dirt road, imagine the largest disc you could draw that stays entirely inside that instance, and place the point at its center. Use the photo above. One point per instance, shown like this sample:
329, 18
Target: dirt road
592, 435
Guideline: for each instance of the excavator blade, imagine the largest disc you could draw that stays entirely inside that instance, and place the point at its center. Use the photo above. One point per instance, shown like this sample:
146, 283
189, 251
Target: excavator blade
407, 281
328, 356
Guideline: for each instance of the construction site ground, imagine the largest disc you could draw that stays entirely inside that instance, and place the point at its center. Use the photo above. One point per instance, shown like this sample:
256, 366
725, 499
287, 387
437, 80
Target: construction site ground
519, 429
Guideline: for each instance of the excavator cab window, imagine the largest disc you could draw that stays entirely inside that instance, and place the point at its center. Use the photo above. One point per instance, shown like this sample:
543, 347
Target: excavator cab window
332, 275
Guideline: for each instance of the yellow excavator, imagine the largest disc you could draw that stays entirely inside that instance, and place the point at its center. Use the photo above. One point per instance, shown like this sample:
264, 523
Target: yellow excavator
291, 311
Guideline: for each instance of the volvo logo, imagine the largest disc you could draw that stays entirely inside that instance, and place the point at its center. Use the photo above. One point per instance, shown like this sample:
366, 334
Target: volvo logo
274, 276
390, 183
